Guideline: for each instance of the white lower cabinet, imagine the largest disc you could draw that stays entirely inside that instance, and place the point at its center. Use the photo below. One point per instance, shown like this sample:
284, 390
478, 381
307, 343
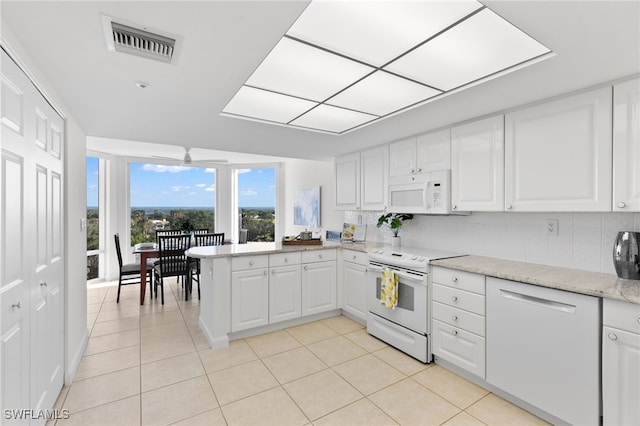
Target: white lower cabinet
621, 363
458, 326
285, 287
319, 282
249, 292
354, 283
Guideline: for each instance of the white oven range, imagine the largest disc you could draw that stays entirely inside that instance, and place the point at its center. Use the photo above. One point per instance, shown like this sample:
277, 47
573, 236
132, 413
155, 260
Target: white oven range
407, 327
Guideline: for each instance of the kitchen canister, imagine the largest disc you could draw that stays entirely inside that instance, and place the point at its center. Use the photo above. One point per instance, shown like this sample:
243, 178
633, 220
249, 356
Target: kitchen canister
626, 255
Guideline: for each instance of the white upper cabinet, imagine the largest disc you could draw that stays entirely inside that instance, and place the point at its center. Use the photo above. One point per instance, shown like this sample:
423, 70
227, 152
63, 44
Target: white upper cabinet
374, 164
433, 151
626, 146
477, 165
425, 153
558, 155
348, 182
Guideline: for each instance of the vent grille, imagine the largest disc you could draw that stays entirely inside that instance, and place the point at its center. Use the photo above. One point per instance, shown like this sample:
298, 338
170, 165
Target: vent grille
142, 43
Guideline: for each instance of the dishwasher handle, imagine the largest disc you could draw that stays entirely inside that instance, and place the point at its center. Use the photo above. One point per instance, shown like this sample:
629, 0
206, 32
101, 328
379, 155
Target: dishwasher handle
546, 303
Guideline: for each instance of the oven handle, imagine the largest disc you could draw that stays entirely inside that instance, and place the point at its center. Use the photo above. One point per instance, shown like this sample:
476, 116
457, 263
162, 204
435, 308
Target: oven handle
401, 274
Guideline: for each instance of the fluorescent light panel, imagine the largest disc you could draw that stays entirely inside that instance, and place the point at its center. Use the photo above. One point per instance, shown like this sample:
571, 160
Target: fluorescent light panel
328, 72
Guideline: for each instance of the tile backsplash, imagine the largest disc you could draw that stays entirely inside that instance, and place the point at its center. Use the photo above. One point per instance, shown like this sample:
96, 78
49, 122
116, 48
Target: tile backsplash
584, 240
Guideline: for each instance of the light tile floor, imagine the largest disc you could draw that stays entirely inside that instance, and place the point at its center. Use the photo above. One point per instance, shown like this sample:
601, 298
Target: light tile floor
151, 365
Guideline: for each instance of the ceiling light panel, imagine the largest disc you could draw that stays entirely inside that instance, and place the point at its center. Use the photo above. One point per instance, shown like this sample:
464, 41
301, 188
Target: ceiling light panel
265, 105
376, 32
382, 93
300, 70
478, 47
332, 119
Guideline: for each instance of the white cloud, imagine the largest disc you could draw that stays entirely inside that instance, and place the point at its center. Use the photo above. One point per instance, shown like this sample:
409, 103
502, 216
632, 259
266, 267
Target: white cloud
161, 168
211, 188
200, 185
242, 171
209, 170
192, 193
248, 193
178, 188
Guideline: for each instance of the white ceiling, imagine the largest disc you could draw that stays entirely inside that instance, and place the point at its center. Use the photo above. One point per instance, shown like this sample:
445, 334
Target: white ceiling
224, 41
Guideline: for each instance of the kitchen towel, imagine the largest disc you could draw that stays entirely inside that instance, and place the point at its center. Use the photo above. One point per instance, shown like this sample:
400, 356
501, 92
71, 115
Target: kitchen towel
389, 289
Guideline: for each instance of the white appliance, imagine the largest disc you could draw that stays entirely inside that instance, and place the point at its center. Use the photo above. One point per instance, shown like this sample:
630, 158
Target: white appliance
423, 193
543, 346
407, 327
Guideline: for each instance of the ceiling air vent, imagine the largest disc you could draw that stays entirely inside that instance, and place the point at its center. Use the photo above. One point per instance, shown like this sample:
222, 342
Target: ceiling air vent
136, 40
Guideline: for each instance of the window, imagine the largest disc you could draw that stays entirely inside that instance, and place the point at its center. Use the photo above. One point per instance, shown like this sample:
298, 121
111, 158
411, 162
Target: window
255, 199
93, 218
170, 197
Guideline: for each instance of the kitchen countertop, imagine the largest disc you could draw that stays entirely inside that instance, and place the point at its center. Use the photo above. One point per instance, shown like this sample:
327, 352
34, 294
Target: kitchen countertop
574, 280
232, 250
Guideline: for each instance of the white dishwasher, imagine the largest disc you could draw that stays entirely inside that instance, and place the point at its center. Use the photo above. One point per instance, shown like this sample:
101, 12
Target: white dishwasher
543, 346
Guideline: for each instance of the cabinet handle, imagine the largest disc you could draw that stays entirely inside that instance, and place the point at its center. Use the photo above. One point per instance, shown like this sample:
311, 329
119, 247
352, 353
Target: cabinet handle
43, 284
612, 336
412, 171
306, 267
454, 207
16, 305
455, 332
455, 318
622, 205
638, 320
264, 272
273, 271
419, 170
509, 206
355, 257
251, 263
286, 260
454, 298
454, 279
320, 256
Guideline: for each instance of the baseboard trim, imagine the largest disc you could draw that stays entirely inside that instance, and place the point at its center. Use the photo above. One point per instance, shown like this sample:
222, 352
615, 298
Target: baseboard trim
72, 367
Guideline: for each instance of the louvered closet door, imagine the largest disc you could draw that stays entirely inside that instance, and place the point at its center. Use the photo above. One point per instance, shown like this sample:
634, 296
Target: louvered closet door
32, 244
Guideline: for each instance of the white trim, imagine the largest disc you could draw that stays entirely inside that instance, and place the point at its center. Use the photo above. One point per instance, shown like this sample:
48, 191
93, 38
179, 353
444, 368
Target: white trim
74, 363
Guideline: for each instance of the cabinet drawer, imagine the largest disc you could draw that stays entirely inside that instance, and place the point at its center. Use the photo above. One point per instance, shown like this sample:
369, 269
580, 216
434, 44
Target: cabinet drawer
459, 318
464, 349
242, 263
622, 315
471, 302
318, 255
284, 259
459, 279
356, 257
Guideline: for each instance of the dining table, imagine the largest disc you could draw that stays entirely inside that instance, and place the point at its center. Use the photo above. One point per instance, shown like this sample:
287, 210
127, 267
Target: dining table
145, 251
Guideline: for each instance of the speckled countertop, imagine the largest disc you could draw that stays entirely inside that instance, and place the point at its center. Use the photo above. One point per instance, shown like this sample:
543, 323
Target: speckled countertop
231, 250
574, 280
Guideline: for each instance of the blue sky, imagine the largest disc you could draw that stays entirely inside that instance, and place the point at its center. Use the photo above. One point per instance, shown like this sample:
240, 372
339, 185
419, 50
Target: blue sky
155, 185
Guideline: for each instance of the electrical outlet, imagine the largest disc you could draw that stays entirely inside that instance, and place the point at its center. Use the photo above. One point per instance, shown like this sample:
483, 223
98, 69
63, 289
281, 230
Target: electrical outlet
551, 227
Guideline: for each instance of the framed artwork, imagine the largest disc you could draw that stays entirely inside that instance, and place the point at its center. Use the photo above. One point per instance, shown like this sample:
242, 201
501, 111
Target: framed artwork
306, 207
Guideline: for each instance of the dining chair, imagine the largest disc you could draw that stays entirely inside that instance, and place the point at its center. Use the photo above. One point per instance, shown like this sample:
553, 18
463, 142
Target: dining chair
200, 231
208, 239
173, 261
128, 271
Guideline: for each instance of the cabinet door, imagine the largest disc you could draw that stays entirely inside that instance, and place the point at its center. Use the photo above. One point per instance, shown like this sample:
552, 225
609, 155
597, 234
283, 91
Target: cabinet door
373, 183
402, 157
620, 377
319, 287
464, 349
348, 182
477, 165
249, 299
354, 278
284, 293
434, 151
558, 155
626, 146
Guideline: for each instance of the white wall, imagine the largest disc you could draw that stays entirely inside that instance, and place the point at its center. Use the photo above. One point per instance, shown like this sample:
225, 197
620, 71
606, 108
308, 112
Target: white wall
584, 240
302, 173
76, 331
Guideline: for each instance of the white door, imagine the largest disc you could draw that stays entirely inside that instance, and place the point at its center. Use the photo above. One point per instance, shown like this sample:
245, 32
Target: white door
558, 155
626, 146
402, 157
32, 252
319, 287
373, 183
249, 299
434, 151
348, 182
285, 297
477, 165
620, 377
354, 278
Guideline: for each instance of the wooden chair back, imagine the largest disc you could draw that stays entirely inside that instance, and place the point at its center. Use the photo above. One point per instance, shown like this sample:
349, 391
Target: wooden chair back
173, 260
210, 239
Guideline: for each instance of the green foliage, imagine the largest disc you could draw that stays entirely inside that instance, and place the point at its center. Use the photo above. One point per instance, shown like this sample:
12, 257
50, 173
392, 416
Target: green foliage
394, 221
260, 224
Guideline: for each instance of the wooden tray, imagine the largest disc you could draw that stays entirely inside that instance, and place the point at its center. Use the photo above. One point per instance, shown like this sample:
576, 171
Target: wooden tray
311, 242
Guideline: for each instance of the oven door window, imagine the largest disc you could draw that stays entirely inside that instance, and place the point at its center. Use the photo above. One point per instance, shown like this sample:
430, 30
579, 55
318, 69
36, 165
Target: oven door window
406, 296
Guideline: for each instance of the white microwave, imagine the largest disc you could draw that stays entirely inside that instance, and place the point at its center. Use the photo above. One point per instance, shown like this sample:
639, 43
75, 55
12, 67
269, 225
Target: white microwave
422, 193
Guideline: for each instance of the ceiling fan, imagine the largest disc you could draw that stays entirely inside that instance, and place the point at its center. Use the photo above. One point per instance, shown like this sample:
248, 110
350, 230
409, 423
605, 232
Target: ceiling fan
187, 161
